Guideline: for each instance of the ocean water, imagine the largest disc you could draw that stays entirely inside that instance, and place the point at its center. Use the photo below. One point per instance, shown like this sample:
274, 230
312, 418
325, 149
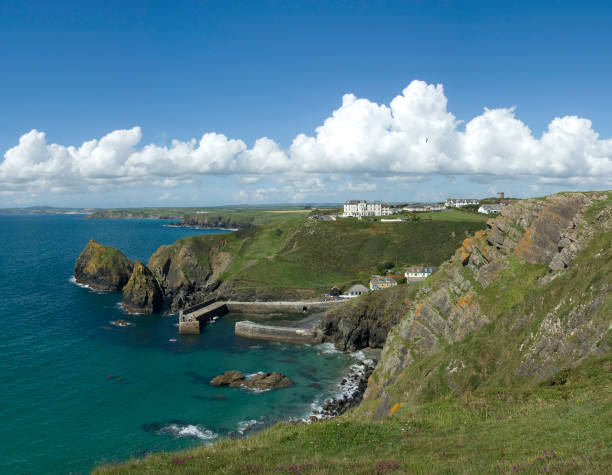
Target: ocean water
77, 391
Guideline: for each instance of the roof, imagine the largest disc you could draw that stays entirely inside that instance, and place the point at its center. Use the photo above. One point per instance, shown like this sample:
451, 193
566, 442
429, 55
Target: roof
353, 202
358, 288
378, 278
423, 269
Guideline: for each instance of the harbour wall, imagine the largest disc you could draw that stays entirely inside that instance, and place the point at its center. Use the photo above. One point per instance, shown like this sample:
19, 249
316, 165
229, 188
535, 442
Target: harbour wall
253, 330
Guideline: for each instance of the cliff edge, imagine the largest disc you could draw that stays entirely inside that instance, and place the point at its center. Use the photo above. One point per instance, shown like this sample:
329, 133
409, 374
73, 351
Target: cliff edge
516, 303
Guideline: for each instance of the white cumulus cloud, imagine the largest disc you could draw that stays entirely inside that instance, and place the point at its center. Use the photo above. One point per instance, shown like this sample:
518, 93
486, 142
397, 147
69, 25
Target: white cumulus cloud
412, 138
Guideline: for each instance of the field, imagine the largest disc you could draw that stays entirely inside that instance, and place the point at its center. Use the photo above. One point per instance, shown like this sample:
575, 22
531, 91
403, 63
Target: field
310, 256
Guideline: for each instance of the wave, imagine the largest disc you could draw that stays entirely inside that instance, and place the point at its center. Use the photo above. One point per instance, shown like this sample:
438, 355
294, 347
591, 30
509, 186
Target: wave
246, 426
73, 280
327, 349
189, 430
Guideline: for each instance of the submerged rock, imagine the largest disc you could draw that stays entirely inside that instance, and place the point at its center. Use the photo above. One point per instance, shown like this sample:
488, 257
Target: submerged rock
102, 267
142, 293
261, 381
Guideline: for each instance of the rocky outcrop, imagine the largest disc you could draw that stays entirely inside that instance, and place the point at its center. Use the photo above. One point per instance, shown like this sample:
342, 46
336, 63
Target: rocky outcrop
204, 220
186, 269
366, 321
142, 293
258, 381
515, 276
102, 267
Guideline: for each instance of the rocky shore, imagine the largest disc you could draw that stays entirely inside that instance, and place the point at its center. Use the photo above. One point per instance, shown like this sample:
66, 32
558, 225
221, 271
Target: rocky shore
352, 389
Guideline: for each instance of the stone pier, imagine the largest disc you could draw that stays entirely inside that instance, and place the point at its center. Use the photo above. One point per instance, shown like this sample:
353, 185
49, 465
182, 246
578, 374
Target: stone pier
250, 329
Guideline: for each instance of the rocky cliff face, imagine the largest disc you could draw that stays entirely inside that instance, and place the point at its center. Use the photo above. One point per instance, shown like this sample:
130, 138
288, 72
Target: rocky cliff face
142, 293
519, 301
187, 270
102, 267
216, 221
366, 321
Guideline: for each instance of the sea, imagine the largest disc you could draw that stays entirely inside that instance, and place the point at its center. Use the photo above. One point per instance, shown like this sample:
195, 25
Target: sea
78, 391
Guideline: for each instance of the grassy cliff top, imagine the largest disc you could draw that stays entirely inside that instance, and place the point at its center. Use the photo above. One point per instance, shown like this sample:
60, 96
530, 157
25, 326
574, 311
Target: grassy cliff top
293, 256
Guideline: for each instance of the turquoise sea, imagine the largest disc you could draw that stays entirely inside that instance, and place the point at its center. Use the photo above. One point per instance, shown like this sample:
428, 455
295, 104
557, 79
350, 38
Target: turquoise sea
78, 391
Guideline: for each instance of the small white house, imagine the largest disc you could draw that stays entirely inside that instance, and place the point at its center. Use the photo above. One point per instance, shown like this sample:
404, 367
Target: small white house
418, 273
356, 290
491, 209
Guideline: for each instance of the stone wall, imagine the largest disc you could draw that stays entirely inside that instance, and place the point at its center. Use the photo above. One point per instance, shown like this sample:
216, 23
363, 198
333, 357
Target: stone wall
249, 329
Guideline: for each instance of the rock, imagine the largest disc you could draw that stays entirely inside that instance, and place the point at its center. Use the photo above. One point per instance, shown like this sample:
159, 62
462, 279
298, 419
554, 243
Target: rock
266, 381
142, 293
365, 321
188, 270
102, 267
261, 381
227, 378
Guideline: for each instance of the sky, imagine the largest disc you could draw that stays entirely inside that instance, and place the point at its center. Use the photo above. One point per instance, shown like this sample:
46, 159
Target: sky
201, 103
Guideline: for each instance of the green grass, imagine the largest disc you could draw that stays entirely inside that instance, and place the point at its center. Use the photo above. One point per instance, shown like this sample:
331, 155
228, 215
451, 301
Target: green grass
455, 215
315, 255
291, 255
563, 427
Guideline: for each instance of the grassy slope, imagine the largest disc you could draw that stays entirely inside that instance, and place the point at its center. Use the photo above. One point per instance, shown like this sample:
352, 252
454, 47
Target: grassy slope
293, 252
563, 428
516, 306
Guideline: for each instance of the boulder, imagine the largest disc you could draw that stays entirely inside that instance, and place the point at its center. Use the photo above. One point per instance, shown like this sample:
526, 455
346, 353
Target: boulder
102, 267
227, 378
261, 381
264, 381
142, 293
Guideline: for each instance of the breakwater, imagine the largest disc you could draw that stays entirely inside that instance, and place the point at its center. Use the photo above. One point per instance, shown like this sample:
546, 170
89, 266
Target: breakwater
191, 319
250, 329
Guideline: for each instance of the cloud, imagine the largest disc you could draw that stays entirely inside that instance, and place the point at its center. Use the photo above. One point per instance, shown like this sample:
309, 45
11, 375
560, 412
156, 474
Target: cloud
411, 139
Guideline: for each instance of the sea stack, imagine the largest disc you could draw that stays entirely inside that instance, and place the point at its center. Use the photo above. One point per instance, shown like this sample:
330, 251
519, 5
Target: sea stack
102, 267
142, 293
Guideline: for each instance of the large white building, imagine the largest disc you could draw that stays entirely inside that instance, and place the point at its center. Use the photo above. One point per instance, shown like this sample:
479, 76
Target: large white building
359, 208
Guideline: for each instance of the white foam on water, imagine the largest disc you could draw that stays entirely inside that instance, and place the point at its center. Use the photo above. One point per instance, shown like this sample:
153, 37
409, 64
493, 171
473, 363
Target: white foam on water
244, 426
73, 280
190, 430
120, 324
327, 349
349, 389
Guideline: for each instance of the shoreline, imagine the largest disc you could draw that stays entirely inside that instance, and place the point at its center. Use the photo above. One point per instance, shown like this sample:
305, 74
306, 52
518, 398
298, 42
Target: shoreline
175, 225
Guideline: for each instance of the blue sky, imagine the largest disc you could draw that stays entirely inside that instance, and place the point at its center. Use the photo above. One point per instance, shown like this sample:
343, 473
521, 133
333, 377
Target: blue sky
78, 71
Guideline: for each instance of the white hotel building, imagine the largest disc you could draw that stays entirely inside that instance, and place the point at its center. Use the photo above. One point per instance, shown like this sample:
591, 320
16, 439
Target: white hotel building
359, 208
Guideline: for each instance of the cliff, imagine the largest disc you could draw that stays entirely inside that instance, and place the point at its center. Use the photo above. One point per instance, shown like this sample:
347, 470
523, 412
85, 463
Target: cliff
366, 321
142, 293
514, 305
200, 220
102, 267
187, 270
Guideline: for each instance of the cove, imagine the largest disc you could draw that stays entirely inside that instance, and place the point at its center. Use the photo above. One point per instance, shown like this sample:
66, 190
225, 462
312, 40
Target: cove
79, 391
